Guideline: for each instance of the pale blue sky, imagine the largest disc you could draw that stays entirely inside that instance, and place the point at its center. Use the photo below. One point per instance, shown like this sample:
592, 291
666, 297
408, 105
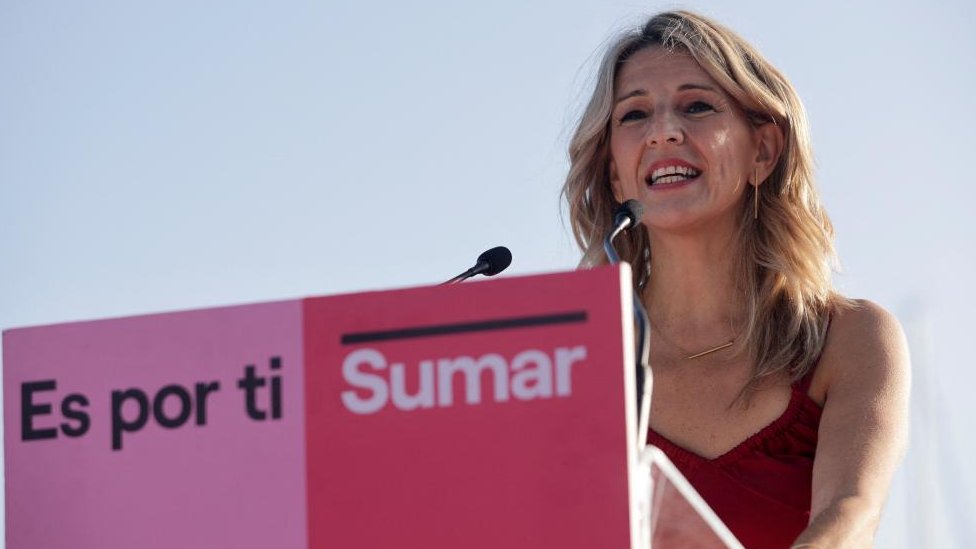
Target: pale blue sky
174, 155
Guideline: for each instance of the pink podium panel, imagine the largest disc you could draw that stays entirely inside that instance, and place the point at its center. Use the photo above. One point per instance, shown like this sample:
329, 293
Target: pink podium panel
136, 432
490, 414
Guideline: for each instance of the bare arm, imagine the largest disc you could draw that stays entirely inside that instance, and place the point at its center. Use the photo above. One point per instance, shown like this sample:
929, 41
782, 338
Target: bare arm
863, 429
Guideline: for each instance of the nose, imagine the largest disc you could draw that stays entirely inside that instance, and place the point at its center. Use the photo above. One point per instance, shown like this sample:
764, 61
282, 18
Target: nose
664, 129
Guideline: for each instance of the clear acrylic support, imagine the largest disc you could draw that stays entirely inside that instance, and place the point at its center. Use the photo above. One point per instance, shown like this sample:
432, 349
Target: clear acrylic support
672, 514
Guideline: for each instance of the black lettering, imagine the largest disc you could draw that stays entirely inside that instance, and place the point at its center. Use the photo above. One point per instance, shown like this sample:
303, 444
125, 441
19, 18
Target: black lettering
276, 389
276, 397
250, 384
76, 414
119, 424
201, 393
28, 410
185, 406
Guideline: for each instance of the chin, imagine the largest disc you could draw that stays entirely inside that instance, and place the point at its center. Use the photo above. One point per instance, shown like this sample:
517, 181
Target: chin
670, 219
684, 222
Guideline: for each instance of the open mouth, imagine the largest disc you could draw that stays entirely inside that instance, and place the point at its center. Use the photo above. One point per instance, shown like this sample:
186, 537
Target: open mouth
671, 174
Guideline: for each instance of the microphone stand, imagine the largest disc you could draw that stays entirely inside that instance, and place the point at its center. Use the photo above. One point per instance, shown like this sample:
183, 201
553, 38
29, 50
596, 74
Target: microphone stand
477, 269
643, 348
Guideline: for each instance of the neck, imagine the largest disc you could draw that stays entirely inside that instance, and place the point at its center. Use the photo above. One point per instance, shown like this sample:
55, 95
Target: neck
691, 292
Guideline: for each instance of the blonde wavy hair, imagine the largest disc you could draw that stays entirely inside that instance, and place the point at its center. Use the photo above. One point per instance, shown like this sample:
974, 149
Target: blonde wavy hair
786, 257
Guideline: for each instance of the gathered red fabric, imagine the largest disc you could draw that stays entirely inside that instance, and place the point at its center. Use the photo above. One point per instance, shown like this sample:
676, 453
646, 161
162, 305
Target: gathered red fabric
761, 488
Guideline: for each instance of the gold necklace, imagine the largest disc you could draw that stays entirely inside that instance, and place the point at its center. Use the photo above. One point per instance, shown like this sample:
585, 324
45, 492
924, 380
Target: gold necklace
691, 356
725, 345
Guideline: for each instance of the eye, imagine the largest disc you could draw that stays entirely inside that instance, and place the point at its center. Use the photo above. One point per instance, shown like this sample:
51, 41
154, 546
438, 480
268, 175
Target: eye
632, 115
699, 107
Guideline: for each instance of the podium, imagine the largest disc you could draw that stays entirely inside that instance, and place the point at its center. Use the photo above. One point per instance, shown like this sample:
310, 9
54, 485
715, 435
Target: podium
489, 414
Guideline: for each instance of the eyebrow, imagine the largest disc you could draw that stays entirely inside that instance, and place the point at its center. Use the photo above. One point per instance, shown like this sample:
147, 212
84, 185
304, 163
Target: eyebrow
683, 87
635, 93
705, 87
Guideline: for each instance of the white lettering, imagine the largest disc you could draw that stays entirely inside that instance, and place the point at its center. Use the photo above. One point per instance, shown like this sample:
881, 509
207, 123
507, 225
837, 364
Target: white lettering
472, 369
425, 392
533, 375
564, 362
363, 380
530, 376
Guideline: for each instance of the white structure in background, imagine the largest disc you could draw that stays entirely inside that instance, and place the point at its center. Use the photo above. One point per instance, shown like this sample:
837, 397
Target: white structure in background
927, 506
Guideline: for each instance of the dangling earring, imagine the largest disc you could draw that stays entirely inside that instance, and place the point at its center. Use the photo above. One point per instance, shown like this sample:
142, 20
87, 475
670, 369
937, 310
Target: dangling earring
755, 194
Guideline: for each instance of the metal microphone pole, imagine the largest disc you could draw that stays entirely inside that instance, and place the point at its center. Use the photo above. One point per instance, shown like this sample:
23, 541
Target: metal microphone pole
627, 216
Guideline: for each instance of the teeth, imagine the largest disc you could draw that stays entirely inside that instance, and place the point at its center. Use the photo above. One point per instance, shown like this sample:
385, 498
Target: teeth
671, 174
669, 179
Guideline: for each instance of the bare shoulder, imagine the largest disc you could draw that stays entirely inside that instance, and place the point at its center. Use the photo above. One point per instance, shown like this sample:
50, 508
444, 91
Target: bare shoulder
865, 351
865, 326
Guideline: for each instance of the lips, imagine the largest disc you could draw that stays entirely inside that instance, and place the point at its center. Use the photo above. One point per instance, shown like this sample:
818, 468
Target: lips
669, 171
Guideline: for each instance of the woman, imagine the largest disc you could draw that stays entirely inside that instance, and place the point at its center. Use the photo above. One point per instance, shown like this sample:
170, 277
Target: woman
784, 403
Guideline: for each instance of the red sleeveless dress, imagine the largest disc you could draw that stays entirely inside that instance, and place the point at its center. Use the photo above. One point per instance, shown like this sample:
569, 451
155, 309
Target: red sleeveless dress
761, 488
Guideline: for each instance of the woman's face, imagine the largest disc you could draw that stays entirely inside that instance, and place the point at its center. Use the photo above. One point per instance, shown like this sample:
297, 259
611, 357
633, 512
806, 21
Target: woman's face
678, 143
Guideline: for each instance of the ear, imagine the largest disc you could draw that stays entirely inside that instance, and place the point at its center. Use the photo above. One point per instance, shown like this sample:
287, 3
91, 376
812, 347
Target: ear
615, 181
768, 149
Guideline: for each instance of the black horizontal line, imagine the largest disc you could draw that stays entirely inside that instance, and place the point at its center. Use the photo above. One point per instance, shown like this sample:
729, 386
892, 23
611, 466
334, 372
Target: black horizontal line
465, 327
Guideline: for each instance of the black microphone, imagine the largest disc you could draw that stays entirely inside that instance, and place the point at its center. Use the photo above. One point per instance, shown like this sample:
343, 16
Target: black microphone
626, 216
489, 263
